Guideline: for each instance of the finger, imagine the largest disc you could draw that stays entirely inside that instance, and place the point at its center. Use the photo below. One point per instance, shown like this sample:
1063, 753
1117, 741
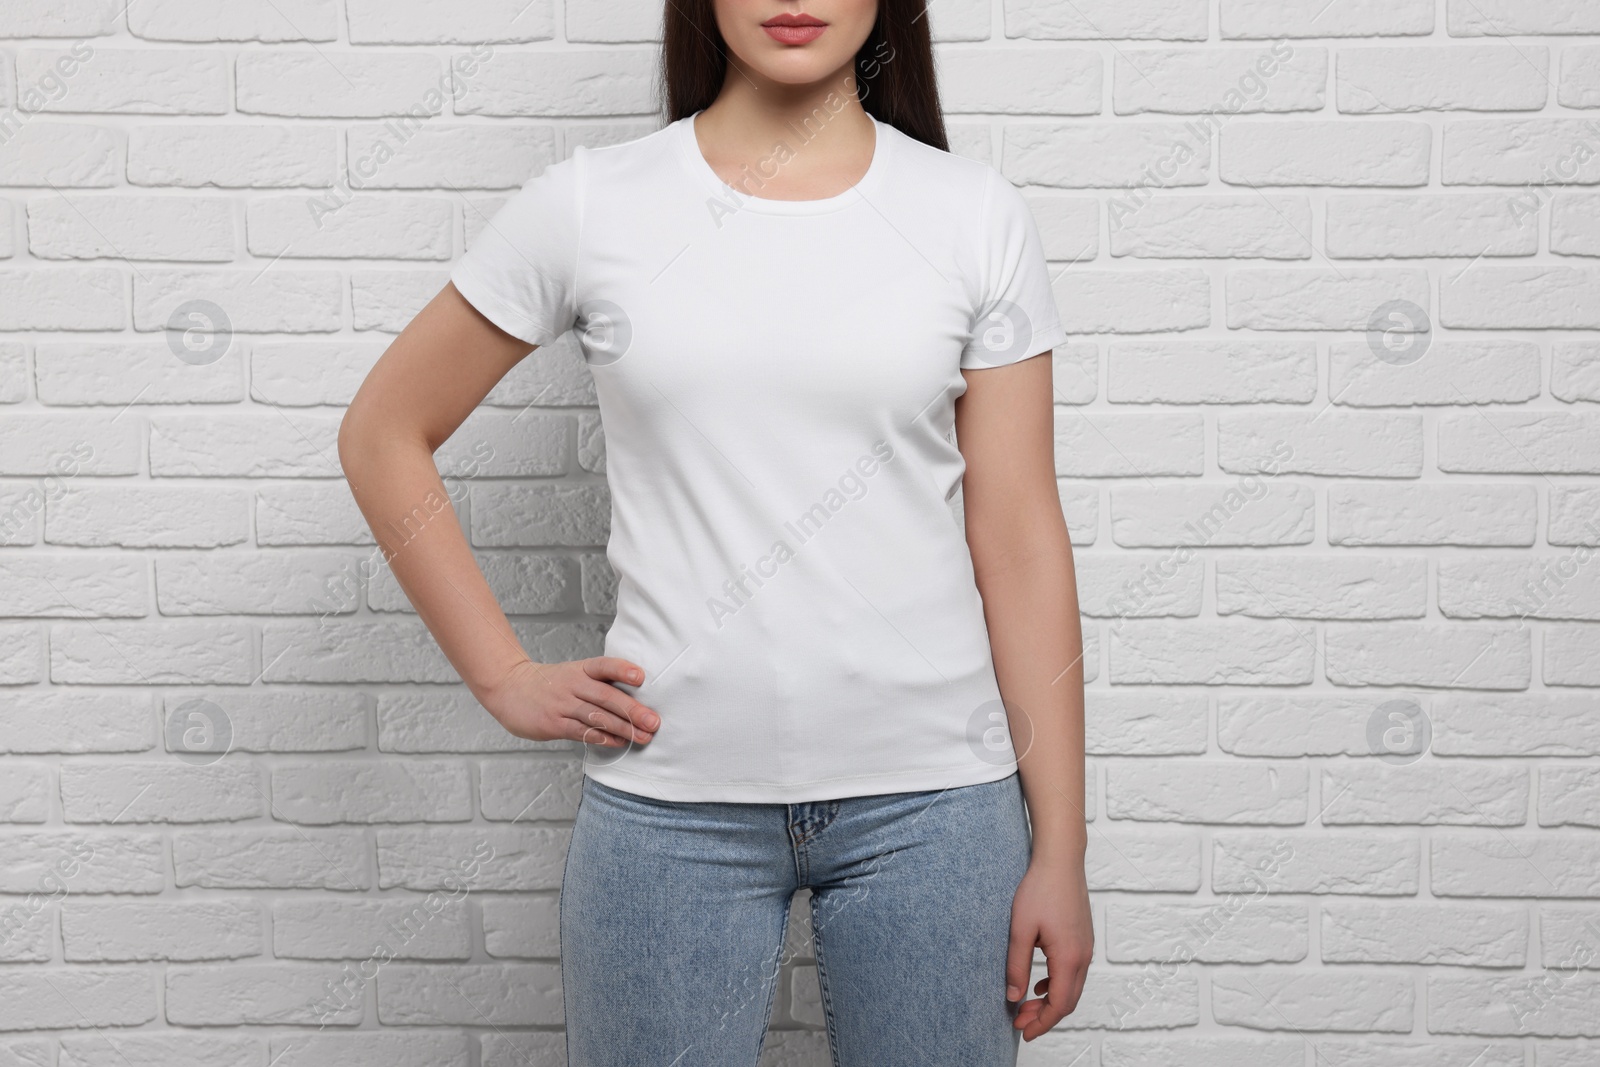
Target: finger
613, 669
1019, 959
619, 704
595, 718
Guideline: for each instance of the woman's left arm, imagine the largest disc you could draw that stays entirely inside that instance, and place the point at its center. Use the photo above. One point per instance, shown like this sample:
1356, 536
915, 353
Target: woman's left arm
1022, 560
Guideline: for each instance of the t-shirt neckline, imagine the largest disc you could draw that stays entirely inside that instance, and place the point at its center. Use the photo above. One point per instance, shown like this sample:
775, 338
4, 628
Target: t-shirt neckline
689, 149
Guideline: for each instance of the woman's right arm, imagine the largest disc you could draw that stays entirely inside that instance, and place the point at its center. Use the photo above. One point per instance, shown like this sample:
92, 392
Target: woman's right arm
421, 389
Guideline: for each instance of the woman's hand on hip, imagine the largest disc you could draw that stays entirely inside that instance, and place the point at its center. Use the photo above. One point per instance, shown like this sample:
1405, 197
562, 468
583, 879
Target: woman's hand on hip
1050, 912
574, 701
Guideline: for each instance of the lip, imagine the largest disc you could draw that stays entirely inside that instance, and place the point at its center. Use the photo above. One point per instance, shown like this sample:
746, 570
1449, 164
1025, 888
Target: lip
791, 28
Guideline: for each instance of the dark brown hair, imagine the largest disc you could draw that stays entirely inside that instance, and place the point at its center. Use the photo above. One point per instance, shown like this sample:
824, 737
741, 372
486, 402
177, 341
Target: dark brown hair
894, 67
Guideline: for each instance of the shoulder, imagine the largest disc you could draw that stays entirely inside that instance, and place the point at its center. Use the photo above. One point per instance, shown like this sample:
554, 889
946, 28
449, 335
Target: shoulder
633, 158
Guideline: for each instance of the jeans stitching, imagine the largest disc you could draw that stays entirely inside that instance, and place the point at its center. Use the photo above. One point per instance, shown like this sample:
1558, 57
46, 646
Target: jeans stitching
822, 985
777, 975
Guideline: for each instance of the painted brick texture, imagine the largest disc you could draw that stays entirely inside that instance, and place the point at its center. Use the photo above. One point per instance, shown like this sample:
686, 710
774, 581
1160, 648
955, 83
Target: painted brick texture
1328, 435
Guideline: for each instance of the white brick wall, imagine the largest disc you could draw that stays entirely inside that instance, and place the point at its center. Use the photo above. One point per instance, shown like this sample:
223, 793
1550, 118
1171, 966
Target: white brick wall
1305, 550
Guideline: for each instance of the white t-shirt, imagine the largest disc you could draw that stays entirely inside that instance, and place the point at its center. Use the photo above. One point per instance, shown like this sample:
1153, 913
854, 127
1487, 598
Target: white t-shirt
776, 381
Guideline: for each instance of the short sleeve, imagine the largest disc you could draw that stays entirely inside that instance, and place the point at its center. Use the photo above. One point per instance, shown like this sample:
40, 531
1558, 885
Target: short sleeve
521, 269
1016, 316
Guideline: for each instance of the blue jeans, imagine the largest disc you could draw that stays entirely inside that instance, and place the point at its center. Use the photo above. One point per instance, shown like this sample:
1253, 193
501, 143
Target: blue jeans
674, 914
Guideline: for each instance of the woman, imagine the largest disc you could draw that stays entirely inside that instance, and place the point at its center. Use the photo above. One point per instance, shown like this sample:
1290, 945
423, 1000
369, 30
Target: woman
789, 298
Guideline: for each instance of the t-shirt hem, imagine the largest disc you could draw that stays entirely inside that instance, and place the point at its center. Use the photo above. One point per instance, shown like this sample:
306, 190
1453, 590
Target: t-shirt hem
1046, 339
497, 310
919, 780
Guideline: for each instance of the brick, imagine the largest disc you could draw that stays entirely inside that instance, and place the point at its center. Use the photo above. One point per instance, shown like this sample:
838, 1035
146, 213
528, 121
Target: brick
270, 301
1252, 512
1386, 225
1520, 152
306, 373
1545, 1005
345, 226
54, 862
1322, 152
431, 927
1318, 299
1489, 863
504, 994
1143, 860
160, 792
1210, 653
1365, 863
526, 926
1321, 587
1103, 155
1497, 18
1426, 793
321, 84
388, 300
245, 156
1338, 1000
1448, 372
76, 998
1427, 654
447, 156
119, 931
1188, 81
262, 994
153, 1049
65, 155
134, 81
184, 20
535, 790
151, 653
446, 721
1456, 514
325, 792
401, 1048
1571, 655
148, 516
1364, 444
1187, 227
1529, 442
1209, 791
1144, 301
24, 793
1139, 587
1314, 18
281, 720
39, 721
63, 298
1120, 445
272, 859
131, 227
1040, 81
311, 515
474, 22
1233, 931
1169, 20
1253, 724
489, 858
580, 82
1579, 86
1453, 78
1569, 796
